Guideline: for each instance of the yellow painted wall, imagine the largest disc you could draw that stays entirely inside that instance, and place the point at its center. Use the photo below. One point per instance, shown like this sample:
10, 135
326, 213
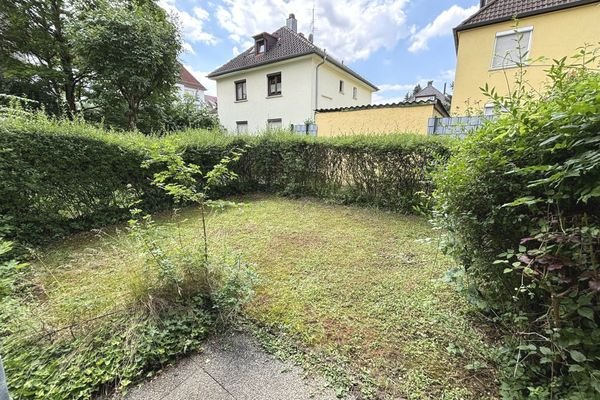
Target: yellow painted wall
555, 35
411, 119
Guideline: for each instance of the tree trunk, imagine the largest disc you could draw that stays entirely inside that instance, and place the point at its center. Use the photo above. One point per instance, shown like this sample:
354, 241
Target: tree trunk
66, 59
132, 116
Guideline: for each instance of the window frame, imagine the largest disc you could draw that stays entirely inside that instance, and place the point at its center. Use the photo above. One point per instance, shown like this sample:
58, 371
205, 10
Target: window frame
275, 93
274, 120
237, 127
341, 85
526, 29
244, 91
258, 46
355, 93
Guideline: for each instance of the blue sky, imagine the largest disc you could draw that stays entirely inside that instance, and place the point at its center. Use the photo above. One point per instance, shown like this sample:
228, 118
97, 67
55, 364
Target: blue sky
392, 43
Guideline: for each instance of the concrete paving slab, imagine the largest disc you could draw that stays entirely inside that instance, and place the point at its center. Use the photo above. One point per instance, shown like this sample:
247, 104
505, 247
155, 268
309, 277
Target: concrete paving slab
232, 367
249, 373
164, 383
199, 386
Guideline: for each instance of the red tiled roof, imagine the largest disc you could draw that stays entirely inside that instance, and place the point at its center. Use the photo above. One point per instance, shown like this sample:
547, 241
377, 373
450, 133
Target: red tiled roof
504, 10
187, 79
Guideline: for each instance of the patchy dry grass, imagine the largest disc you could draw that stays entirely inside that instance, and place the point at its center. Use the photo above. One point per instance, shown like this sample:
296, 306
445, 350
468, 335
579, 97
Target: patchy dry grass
352, 284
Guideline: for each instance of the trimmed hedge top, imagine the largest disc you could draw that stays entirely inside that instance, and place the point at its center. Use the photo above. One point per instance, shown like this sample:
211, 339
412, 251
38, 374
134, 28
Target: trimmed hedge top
58, 177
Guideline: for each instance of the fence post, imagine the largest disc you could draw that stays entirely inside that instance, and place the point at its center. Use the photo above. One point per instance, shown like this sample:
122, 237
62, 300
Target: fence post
431, 126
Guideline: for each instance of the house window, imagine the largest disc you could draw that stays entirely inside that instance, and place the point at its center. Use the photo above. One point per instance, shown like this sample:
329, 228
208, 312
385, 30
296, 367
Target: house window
274, 84
260, 46
512, 47
274, 124
354, 93
241, 127
342, 87
240, 90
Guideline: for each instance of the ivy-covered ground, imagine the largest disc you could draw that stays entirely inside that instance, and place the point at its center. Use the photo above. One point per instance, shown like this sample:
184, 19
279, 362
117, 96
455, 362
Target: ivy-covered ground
357, 295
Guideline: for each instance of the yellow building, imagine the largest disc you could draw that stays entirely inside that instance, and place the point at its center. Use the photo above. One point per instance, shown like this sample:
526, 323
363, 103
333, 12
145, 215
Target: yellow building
404, 117
492, 48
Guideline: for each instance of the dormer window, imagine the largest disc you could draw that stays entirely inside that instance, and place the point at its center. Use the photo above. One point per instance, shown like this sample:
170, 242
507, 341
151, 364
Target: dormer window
260, 46
263, 42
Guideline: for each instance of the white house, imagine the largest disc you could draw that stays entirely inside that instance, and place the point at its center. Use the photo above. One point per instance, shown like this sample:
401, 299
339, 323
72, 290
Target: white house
188, 85
282, 80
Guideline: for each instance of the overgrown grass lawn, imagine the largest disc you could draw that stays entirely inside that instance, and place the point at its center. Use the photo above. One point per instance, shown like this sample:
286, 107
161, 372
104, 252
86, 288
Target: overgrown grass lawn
354, 287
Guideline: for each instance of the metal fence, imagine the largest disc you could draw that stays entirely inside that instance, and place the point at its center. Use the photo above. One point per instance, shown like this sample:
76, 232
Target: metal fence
455, 126
305, 129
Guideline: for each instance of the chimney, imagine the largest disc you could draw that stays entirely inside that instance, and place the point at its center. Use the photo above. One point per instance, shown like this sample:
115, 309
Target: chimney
430, 83
482, 3
292, 23
310, 38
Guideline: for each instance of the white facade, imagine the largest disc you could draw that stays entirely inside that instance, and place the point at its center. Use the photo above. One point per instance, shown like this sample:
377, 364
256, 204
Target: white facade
183, 90
301, 77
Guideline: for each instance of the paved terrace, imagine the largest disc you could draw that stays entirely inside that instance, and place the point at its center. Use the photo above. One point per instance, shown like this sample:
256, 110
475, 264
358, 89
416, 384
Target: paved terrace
232, 367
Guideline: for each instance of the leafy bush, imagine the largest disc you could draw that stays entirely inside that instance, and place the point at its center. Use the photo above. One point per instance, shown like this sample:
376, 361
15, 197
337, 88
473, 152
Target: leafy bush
521, 203
59, 177
186, 114
172, 297
385, 171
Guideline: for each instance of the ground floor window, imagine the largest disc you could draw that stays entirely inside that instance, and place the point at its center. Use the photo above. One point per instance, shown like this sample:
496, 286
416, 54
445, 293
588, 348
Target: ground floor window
274, 124
242, 127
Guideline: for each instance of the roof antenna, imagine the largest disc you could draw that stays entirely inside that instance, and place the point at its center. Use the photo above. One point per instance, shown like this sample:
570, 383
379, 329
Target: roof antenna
312, 25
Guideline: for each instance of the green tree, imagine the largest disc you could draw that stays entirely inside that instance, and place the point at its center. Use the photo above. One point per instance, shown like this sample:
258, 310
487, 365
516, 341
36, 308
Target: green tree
417, 89
186, 113
36, 59
131, 51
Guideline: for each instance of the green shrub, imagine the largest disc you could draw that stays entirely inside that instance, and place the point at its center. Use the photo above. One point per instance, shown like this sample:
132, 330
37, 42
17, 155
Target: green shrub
159, 302
521, 203
58, 177
384, 171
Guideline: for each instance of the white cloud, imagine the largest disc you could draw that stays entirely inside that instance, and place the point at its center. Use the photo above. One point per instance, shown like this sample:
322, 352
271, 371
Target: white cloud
350, 30
188, 48
209, 84
190, 23
441, 26
395, 92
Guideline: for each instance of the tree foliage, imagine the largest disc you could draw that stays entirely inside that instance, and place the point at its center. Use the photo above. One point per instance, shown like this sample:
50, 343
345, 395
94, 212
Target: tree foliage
35, 54
131, 51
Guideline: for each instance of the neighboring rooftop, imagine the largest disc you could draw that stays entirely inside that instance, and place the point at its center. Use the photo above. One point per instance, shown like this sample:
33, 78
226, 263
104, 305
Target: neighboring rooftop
431, 92
407, 103
283, 44
187, 79
493, 11
211, 102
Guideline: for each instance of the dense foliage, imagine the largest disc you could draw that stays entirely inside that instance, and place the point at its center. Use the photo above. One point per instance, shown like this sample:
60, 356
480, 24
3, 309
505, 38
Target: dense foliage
130, 53
185, 113
60, 177
110, 61
74, 345
521, 203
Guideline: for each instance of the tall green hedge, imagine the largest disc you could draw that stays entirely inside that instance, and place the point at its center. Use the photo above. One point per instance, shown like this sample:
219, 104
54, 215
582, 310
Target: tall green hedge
520, 201
60, 177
